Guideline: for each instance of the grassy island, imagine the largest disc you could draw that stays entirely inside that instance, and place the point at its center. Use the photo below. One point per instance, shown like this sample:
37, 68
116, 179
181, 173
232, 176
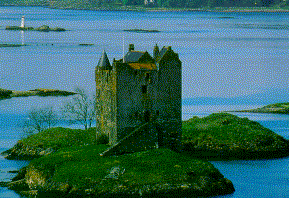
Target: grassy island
141, 31
44, 28
279, 108
226, 136
11, 45
6, 94
69, 165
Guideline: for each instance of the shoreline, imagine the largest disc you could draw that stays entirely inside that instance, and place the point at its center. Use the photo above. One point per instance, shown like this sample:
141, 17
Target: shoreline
143, 9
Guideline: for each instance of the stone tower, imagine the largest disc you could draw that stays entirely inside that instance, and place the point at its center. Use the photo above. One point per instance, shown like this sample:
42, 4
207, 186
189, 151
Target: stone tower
139, 100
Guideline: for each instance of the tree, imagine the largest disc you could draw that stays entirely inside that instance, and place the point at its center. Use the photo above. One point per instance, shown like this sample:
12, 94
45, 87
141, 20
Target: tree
81, 110
40, 119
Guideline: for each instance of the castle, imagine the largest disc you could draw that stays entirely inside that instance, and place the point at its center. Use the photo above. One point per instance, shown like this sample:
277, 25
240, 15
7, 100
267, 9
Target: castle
139, 100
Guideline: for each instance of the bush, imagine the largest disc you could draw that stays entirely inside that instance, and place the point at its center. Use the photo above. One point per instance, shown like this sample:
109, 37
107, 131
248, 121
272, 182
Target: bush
4, 93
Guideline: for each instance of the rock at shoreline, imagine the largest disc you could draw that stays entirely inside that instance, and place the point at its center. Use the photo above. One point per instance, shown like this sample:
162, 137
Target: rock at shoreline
226, 136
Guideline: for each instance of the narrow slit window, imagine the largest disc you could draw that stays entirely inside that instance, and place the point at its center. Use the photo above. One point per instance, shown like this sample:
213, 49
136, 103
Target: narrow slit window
147, 77
144, 89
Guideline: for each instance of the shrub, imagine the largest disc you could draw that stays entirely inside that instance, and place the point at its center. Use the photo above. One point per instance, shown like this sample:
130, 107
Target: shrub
5, 93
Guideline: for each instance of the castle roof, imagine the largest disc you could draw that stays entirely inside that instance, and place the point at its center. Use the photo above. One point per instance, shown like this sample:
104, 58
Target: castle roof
133, 56
149, 66
103, 62
163, 51
139, 60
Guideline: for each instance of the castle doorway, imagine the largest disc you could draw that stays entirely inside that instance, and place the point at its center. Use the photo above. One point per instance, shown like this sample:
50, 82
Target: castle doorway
147, 116
160, 135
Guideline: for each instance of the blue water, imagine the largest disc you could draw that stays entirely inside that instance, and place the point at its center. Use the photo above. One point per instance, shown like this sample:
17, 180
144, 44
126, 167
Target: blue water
222, 57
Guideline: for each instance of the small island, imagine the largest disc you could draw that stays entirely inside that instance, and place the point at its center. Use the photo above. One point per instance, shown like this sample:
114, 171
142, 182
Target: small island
69, 163
6, 94
11, 45
44, 28
278, 108
224, 136
141, 31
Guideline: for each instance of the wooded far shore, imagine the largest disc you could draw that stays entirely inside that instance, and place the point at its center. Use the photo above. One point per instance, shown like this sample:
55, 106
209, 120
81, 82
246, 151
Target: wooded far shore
159, 5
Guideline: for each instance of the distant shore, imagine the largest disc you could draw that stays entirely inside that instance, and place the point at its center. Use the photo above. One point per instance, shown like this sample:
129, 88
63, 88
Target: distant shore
278, 108
161, 9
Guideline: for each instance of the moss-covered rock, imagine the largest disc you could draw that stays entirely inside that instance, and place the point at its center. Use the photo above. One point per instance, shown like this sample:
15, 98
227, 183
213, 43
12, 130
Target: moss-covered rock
226, 136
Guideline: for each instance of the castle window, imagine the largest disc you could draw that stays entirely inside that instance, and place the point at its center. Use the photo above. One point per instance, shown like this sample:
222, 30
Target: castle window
157, 112
144, 89
147, 77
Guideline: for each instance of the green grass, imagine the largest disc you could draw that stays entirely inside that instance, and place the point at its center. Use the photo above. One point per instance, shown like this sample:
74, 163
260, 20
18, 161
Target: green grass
60, 138
224, 132
83, 168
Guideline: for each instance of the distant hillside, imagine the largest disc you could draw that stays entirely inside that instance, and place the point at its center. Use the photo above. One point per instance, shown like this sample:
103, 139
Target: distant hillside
266, 97
132, 4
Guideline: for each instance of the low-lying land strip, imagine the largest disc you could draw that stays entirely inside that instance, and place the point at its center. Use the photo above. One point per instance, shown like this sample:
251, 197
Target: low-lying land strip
44, 28
141, 30
163, 5
226, 136
6, 94
11, 45
279, 108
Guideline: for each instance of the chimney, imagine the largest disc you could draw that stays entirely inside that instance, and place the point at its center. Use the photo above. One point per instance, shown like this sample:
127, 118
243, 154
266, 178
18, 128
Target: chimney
156, 51
131, 47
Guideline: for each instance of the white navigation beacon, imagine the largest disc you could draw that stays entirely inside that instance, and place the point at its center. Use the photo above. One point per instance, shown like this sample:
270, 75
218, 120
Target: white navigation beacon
23, 22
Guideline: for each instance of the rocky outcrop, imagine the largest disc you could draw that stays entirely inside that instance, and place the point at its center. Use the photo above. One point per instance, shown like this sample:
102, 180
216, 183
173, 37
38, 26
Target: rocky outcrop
21, 151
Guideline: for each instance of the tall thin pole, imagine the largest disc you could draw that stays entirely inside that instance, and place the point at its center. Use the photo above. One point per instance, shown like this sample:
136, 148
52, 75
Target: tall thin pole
123, 48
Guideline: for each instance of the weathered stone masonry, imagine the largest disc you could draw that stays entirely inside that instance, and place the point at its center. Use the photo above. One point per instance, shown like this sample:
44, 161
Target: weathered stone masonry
140, 90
